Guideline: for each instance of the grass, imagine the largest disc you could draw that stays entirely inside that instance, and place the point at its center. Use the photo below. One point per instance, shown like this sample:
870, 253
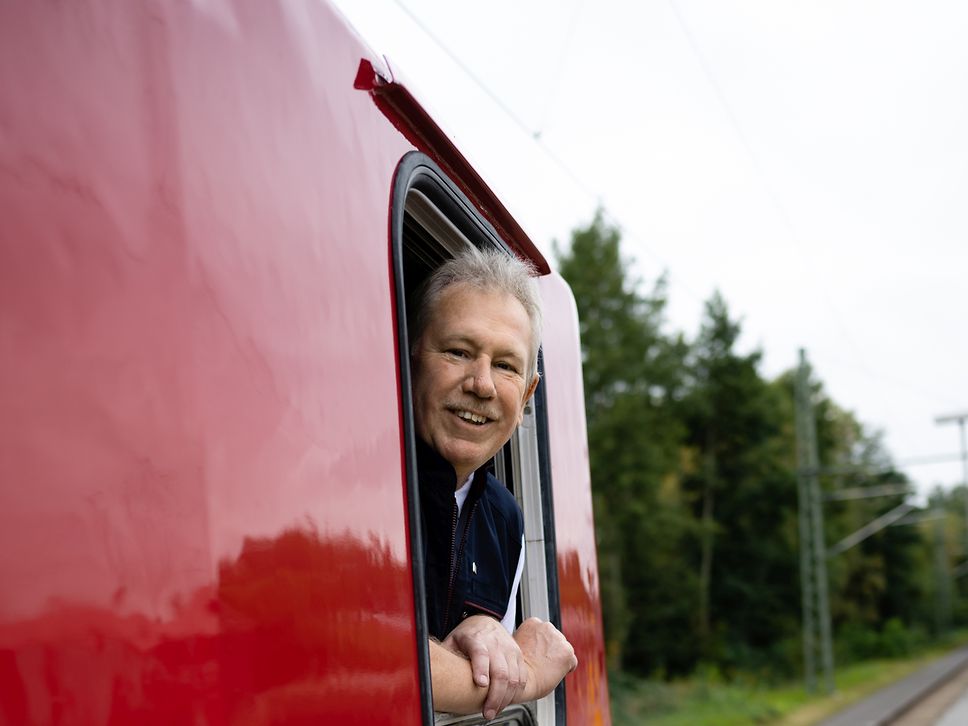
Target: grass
709, 700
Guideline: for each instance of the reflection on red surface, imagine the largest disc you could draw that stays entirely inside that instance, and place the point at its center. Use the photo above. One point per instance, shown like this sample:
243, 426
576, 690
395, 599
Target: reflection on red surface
300, 605
196, 350
289, 634
587, 687
195, 330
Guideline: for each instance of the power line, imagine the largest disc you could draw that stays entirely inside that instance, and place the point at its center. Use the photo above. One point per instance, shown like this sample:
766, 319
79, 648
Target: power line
932, 459
890, 468
559, 66
466, 69
535, 136
859, 360
935, 397
778, 206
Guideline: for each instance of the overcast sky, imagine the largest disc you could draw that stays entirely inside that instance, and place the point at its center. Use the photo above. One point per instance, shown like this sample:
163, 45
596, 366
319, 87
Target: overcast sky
808, 159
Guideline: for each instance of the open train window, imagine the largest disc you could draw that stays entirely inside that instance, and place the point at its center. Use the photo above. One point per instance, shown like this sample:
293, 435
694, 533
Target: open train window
432, 221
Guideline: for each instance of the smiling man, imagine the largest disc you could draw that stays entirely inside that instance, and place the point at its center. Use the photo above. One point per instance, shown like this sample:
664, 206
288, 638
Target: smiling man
474, 356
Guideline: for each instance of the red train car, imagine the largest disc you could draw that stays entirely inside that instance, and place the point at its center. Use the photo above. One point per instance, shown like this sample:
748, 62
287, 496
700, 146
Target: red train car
210, 216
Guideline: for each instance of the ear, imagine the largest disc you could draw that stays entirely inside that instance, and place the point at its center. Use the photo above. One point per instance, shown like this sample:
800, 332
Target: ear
527, 397
530, 392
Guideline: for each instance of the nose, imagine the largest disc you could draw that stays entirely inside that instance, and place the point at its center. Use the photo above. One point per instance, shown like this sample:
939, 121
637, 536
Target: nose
479, 380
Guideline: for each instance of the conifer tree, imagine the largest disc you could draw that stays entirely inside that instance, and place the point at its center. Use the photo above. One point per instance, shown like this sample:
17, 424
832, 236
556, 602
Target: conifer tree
633, 374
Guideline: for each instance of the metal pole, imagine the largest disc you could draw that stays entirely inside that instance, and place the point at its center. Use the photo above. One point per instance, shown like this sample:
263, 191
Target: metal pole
964, 473
942, 605
803, 518
819, 539
960, 418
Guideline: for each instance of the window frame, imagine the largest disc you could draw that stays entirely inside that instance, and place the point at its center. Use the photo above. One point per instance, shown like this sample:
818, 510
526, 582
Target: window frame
422, 192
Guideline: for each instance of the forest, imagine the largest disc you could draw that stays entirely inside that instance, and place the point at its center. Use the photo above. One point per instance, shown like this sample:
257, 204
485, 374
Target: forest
694, 476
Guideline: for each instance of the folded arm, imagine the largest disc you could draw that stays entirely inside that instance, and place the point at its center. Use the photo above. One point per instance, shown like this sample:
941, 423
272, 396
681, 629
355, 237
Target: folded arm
547, 658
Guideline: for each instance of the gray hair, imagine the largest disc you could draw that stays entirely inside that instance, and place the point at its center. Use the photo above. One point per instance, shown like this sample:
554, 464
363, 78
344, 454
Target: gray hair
491, 270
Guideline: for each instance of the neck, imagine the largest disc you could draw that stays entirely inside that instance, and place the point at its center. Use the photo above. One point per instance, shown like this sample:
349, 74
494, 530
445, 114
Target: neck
462, 476
429, 460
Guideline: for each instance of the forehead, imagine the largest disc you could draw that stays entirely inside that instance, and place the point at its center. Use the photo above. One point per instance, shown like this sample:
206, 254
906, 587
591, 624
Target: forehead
467, 310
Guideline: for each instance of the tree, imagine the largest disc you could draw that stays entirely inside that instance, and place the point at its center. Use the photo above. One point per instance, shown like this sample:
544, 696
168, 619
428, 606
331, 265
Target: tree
693, 465
742, 493
633, 376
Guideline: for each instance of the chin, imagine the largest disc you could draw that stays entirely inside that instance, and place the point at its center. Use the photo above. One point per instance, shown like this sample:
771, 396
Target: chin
463, 457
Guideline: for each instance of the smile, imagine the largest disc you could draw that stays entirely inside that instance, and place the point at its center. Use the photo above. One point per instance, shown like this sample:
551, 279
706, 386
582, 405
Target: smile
471, 417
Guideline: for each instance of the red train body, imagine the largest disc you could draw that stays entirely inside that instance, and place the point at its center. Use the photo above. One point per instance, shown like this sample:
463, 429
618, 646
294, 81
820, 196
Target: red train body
203, 497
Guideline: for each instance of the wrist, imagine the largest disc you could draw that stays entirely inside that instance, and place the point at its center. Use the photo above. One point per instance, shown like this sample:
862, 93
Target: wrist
532, 689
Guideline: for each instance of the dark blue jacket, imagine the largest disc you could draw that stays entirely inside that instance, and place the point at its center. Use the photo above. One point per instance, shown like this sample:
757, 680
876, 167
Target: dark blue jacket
469, 564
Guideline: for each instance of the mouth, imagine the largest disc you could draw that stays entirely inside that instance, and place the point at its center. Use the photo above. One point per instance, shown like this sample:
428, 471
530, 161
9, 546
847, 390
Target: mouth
470, 417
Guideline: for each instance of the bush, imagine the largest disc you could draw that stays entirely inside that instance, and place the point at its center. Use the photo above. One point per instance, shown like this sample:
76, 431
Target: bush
858, 642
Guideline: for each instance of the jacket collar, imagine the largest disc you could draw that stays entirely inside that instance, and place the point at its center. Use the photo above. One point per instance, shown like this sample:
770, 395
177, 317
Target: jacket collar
438, 479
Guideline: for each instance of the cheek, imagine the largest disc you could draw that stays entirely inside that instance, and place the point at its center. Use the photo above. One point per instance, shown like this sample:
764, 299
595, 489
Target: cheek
423, 398
512, 403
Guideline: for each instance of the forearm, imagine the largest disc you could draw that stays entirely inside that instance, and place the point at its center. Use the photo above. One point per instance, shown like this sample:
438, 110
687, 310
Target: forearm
454, 690
452, 682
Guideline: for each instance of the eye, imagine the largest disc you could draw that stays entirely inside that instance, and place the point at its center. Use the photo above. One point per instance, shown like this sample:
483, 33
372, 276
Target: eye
505, 366
457, 352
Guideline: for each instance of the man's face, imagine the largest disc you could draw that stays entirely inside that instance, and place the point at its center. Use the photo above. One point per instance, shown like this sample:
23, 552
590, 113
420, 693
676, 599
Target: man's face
469, 375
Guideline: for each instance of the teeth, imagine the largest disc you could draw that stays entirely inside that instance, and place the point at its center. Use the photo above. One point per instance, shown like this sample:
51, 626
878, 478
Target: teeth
468, 416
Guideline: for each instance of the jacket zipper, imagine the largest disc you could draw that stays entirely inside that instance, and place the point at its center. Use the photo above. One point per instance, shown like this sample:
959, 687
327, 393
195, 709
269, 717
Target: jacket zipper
455, 558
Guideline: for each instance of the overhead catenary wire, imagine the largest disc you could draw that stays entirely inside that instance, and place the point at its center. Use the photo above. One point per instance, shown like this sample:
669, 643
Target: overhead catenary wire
937, 398
899, 464
559, 66
859, 361
757, 167
674, 279
535, 136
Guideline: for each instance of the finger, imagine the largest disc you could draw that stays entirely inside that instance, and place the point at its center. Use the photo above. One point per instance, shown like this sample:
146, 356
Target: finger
514, 683
480, 664
499, 687
522, 670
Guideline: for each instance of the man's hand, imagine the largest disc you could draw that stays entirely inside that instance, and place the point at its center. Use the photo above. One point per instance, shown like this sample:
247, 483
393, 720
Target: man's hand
547, 657
496, 660
548, 654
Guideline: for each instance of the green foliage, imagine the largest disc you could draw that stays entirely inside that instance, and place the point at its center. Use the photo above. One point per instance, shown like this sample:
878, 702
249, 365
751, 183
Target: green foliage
708, 699
744, 496
693, 462
633, 373
858, 642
